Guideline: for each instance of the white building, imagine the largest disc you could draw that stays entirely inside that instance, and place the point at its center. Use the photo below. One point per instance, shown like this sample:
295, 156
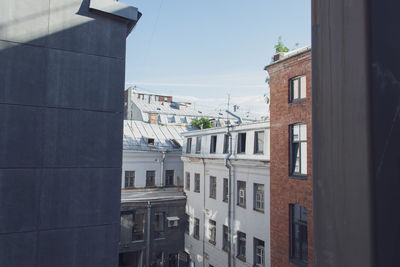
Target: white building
151, 155
161, 109
207, 190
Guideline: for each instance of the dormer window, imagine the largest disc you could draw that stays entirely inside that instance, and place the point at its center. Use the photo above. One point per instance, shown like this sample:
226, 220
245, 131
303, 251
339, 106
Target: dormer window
175, 144
298, 89
150, 141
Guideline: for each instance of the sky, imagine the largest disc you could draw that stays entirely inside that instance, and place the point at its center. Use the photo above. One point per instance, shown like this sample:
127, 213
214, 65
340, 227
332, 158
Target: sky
201, 51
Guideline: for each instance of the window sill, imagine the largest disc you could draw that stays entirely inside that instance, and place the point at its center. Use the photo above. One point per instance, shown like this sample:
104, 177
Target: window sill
241, 258
296, 101
225, 201
298, 176
212, 197
242, 206
299, 262
258, 210
212, 242
259, 153
196, 191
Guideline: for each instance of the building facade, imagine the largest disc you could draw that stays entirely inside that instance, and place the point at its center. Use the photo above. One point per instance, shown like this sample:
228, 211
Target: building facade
152, 228
220, 202
152, 155
291, 159
62, 67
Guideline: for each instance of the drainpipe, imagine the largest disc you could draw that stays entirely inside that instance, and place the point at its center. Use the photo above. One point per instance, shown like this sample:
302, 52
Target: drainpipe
148, 233
162, 175
229, 166
204, 206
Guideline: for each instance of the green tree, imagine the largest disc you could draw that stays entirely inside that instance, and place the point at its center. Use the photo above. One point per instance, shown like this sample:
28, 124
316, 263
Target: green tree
202, 123
280, 47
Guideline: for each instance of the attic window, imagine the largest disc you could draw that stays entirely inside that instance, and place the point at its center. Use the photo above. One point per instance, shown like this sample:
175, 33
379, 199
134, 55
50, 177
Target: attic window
200, 111
174, 143
150, 141
158, 108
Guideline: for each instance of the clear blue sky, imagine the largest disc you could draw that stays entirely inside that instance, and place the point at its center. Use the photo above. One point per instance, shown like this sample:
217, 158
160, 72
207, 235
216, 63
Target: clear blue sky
201, 50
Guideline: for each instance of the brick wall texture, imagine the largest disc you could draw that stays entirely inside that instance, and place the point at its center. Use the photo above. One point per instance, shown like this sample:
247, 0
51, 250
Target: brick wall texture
286, 190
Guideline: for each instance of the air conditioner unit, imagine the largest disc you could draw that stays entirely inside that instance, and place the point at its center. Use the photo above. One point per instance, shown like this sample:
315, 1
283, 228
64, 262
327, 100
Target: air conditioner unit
173, 221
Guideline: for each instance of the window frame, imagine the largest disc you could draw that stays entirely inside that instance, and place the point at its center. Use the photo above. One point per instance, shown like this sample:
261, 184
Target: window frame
225, 190
255, 193
159, 233
292, 156
196, 183
212, 230
198, 144
168, 182
226, 144
241, 242
213, 187
154, 178
256, 244
241, 185
187, 181
292, 237
293, 100
213, 144
225, 241
189, 145
140, 232
241, 143
256, 143
196, 228
131, 182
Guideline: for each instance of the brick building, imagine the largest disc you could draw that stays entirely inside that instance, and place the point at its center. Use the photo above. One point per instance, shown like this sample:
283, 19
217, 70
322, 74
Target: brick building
291, 162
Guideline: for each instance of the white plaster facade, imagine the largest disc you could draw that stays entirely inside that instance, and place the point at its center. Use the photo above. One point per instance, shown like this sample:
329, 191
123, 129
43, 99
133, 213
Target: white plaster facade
247, 167
142, 161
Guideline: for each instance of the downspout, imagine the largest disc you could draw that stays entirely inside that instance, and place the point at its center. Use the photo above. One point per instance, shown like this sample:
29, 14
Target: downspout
204, 206
148, 245
229, 166
162, 175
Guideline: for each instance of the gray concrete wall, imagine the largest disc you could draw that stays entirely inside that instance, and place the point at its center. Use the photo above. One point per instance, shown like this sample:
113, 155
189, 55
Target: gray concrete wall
356, 129
61, 109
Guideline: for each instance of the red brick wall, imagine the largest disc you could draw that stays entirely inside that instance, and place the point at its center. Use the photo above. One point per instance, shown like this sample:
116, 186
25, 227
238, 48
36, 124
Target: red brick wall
285, 190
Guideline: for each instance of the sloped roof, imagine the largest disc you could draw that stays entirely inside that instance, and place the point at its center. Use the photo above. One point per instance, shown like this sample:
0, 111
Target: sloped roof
167, 109
164, 137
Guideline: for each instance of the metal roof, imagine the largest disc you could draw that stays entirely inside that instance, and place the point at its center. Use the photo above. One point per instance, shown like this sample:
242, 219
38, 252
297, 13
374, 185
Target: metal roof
143, 136
141, 195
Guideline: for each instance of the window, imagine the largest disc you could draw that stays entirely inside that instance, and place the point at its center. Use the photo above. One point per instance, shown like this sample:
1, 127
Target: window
187, 229
187, 182
241, 241
259, 197
241, 143
174, 144
171, 119
212, 228
297, 88
159, 222
241, 194
225, 238
197, 182
150, 178
213, 187
150, 141
213, 144
169, 177
196, 228
298, 149
138, 226
298, 234
225, 193
226, 144
198, 144
129, 179
189, 146
259, 254
259, 142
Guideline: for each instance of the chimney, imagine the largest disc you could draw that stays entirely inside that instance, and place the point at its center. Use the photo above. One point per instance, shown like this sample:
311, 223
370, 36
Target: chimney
278, 56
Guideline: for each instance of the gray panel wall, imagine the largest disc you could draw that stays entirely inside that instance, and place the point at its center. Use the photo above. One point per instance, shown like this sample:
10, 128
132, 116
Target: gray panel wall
356, 129
61, 103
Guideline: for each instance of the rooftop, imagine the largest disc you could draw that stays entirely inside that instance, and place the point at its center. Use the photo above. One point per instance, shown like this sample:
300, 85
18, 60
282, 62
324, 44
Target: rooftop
143, 136
160, 194
290, 54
